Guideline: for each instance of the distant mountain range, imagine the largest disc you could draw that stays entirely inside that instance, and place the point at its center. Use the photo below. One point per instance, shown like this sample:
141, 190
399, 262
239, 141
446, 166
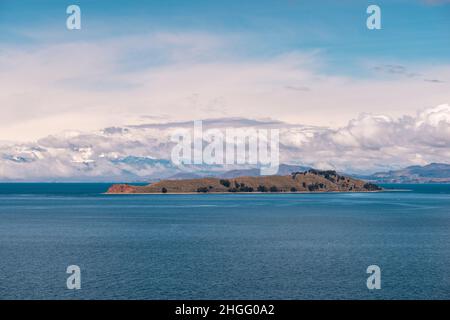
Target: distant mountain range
431, 173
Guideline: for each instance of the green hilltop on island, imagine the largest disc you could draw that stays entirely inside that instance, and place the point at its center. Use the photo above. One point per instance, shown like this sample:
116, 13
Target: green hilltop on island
307, 181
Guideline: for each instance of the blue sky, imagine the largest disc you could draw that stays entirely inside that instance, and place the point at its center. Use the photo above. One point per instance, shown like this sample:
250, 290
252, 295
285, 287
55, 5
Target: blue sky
411, 30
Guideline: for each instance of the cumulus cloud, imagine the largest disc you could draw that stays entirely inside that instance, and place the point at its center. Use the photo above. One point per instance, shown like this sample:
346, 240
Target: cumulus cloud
378, 141
368, 143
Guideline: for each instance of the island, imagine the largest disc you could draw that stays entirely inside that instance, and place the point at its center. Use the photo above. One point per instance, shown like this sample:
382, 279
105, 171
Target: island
307, 181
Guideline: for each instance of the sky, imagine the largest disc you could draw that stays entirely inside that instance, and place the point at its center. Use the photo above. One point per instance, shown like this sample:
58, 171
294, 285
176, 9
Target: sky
304, 63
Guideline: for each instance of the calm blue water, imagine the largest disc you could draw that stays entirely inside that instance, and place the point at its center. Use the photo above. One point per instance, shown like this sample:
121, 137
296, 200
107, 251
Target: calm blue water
261, 246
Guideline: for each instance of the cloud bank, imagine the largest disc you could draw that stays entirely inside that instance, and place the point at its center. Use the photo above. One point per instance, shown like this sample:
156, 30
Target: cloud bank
366, 144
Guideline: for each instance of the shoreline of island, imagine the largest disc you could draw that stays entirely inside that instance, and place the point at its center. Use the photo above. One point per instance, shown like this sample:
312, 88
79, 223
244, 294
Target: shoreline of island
255, 192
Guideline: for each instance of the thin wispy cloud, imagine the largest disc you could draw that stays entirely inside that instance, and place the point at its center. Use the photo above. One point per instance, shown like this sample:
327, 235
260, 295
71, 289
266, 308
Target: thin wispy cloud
88, 85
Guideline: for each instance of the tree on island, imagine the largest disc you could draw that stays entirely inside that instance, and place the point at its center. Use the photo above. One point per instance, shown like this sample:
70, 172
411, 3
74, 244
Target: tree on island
225, 183
261, 188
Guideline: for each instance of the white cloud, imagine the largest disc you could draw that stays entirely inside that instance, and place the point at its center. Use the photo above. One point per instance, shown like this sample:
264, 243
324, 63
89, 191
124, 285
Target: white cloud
185, 76
366, 144
374, 142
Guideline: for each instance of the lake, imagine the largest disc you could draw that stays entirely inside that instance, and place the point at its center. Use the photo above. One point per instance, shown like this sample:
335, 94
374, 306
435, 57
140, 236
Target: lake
223, 246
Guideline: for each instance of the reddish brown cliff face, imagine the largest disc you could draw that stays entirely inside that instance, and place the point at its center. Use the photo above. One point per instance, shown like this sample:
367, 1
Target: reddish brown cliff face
121, 188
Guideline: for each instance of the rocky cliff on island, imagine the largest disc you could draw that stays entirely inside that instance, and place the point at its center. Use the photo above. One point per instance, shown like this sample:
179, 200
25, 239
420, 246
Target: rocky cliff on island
307, 181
